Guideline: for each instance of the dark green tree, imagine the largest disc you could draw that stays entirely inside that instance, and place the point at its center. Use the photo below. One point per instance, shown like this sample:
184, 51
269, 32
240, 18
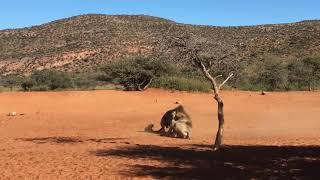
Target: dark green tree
52, 79
27, 84
136, 73
12, 80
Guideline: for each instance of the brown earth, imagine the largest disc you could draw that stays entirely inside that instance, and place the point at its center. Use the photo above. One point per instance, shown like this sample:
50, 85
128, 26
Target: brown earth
99, 135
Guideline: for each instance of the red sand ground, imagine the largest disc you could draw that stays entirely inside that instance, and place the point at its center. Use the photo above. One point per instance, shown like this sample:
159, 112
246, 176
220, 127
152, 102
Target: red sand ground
99, 135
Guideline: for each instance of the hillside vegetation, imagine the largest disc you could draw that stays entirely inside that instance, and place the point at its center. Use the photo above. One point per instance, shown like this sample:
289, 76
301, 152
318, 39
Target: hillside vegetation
83, 44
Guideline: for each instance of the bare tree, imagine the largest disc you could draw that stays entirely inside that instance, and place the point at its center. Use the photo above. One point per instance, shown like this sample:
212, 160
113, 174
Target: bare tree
216, 87
190, 48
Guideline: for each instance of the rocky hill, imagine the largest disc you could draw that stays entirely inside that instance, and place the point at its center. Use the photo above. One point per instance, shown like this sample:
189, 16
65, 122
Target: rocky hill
85, 42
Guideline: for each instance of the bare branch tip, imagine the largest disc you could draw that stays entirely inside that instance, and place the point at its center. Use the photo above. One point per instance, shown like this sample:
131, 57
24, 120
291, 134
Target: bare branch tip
220, 75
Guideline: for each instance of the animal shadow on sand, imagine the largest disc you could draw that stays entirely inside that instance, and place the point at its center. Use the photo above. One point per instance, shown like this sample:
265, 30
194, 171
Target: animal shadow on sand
233, 162
72, 140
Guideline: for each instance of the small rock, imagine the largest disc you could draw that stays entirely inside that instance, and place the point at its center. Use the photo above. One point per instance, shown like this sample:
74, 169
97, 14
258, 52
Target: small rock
12, 114
263, 93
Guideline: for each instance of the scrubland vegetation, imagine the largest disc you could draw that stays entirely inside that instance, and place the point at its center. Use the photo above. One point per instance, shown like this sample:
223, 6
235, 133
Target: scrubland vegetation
272, 74
135, 52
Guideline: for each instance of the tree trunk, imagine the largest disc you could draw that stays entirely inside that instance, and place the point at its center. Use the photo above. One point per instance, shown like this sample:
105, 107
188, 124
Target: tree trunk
309, 87
219, 136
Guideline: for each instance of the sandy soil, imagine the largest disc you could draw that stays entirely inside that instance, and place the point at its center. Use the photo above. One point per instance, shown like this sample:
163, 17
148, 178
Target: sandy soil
99, 135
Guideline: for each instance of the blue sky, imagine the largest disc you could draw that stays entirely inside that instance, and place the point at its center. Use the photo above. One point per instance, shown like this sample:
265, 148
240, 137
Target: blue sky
24, 13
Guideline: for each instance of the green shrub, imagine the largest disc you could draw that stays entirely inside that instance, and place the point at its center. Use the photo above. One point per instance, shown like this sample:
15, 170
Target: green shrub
273, 76
11, 81
84, 82
304, 74
27, 84
270, 74
51, 79
181, 84
136, 73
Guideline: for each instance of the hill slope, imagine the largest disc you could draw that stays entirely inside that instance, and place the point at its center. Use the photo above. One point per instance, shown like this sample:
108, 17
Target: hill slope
85, 42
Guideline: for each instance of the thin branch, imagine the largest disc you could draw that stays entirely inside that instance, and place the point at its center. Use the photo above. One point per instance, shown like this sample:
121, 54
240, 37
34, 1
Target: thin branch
208, 76
230, 75
145, 84
220, 75
216, 88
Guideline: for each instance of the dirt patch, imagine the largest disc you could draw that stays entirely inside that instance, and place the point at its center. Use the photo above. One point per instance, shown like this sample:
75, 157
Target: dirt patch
99, 135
